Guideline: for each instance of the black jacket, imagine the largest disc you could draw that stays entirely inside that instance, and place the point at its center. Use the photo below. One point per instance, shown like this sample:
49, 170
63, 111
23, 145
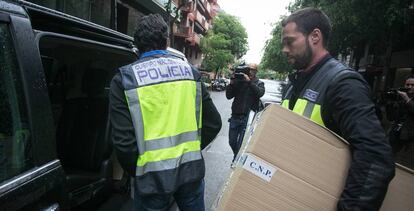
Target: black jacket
123, 135
246, 96
407, 131
349, 111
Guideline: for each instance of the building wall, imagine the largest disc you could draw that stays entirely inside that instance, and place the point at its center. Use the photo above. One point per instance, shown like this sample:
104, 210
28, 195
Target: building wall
78, 8
101, 12
133, 15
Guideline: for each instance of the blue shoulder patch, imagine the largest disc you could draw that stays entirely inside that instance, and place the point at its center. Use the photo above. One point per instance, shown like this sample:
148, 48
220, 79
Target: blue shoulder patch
311, 95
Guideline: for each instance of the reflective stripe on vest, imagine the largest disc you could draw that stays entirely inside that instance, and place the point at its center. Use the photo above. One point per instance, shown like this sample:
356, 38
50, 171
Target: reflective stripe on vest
309, 103
307, 109
165, 105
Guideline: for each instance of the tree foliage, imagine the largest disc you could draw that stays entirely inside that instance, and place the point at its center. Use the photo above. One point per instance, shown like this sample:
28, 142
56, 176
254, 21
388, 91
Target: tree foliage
356, 21
355, 24
224, 43
217, 54
273, 58
232, 30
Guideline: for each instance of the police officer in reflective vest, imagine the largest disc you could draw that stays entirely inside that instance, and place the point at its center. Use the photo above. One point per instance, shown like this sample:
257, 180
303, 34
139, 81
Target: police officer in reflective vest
333, 95
162, 116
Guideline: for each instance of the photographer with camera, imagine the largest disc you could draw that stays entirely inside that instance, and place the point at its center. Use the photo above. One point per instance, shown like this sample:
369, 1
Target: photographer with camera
246, 90
402, 131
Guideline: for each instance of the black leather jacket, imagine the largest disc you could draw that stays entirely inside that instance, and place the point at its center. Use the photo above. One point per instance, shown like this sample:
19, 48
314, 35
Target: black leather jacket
349, 111
246, 96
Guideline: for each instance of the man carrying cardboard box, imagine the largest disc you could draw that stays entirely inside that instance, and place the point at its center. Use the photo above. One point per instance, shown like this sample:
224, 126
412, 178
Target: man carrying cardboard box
335, 96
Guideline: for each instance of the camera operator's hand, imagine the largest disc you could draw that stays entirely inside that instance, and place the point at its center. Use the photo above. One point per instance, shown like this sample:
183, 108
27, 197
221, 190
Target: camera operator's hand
404, 96
246, 77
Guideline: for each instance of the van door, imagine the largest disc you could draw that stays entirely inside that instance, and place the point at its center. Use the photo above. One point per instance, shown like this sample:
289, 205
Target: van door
78, 73
29, 176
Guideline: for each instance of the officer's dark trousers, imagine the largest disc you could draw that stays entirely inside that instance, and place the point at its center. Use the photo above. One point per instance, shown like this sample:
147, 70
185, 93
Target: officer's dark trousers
236, 132
189, 197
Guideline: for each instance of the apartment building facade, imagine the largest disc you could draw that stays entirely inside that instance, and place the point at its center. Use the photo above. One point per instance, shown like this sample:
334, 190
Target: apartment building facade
188, 25
196, 19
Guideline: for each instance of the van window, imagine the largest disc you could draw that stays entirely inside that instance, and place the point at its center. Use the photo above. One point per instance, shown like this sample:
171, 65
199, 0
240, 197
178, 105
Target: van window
15, 141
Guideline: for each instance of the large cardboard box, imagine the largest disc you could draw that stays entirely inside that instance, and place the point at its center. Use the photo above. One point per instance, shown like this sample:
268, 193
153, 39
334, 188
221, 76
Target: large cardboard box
400, 195
288, 162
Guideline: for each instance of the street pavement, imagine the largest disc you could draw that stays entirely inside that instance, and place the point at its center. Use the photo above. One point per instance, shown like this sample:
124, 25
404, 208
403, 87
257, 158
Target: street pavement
218, 155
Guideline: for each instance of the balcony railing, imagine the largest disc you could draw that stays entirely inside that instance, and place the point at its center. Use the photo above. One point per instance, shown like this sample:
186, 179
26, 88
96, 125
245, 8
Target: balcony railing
195, 39
182, 31
201, 20
189, 7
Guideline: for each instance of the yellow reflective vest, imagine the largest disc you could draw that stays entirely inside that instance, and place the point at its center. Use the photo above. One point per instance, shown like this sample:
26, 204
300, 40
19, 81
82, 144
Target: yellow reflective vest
164, 100
311, 97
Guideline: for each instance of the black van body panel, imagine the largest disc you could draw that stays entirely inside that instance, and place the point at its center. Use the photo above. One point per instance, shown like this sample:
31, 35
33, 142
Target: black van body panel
35, 89
32, 186
46, 186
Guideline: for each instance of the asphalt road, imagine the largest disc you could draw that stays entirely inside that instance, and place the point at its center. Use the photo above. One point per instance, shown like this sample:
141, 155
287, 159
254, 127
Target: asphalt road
218, 155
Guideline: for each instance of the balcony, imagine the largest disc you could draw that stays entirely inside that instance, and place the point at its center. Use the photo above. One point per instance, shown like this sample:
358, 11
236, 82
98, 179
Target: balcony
188, 8
182, 31
201, 20
204, 7
195, 39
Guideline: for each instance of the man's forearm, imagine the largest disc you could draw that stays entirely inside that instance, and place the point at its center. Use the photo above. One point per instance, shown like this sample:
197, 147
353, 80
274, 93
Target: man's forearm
230, 91
123, 135
258, 89
211, 120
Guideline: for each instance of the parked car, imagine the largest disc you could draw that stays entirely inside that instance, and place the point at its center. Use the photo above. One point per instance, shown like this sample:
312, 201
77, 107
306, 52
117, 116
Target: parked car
272, 92
219, 84
55, 73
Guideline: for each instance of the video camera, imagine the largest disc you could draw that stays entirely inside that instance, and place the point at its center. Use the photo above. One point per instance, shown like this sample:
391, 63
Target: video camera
239, 70
393, 95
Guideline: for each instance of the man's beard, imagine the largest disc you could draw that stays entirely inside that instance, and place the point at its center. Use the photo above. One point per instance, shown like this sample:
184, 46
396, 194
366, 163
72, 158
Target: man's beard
302, 61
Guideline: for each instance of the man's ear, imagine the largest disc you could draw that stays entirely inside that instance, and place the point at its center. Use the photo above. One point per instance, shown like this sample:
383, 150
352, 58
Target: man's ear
316, 36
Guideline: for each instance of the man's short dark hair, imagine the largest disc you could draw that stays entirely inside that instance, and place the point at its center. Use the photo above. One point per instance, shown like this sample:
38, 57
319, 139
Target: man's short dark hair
308, 19
151, 33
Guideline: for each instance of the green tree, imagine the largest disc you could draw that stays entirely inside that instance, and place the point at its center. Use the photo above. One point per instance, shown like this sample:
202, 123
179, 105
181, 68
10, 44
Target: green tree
217, 54
224, 43
273, 58
356, 24
232, 30
360, 23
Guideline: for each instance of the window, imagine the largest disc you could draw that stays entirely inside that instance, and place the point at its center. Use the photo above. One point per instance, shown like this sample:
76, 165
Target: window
15, 148
78, 75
